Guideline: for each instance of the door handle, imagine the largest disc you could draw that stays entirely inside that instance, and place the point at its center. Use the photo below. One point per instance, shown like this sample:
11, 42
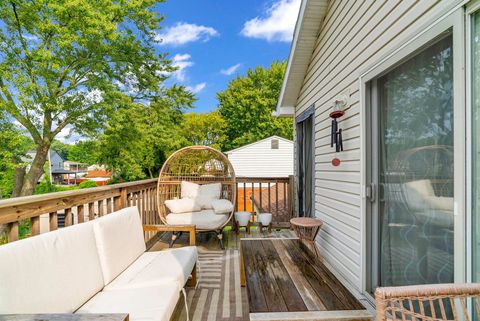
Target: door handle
371, 192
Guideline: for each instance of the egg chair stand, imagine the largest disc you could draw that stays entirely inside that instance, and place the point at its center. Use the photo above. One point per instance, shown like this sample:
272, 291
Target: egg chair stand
200, 165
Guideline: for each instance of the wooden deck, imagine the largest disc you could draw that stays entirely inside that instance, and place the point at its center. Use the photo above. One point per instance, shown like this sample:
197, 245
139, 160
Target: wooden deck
219, 295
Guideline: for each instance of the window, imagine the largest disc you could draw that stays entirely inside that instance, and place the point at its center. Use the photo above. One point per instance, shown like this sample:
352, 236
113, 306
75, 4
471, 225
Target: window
274, 143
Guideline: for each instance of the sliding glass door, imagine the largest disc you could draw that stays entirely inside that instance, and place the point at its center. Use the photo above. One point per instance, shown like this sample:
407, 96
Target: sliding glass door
475, 102
411, 170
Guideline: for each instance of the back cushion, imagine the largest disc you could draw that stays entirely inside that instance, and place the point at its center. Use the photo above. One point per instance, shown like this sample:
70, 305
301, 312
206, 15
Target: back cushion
120, 241
55, 272
209, 193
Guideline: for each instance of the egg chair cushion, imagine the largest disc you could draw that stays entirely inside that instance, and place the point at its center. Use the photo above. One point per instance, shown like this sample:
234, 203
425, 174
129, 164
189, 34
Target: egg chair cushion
183, 205
222, 206
203, 220
189, 189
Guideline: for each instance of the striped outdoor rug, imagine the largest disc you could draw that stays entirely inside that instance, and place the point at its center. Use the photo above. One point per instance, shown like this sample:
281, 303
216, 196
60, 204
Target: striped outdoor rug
218, 295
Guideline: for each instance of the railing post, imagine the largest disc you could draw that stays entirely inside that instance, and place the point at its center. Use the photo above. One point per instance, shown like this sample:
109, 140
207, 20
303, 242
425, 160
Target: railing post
120, 201
291, 195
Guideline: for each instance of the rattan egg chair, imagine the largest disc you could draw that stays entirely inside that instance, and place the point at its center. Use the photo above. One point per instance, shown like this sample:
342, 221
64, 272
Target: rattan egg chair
200, 165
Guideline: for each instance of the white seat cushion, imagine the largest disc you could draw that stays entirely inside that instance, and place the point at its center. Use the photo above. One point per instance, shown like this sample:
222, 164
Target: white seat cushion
120, 241
55, 272
154, 303
204, 220
153, 268
183, 205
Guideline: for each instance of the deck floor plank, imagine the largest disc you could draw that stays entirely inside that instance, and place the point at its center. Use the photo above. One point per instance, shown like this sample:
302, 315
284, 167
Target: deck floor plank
288, 290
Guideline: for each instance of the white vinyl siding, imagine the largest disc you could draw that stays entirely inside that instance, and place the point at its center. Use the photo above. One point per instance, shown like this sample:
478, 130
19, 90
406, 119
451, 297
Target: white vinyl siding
354, 36
260, 160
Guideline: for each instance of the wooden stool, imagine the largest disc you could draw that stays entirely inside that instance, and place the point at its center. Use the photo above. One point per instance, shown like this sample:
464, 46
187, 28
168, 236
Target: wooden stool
307, 229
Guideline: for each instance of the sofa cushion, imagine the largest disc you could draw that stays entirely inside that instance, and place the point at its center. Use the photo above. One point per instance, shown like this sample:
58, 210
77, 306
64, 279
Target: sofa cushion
204, 220
153, 268
120, 241
183, 205
55, 272
155, 303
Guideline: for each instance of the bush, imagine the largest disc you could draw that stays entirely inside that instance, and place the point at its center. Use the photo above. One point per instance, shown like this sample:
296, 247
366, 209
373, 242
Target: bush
87, 184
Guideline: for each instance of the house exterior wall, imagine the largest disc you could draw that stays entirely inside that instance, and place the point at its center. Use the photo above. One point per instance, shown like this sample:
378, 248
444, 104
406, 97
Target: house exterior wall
260, 160
354, 36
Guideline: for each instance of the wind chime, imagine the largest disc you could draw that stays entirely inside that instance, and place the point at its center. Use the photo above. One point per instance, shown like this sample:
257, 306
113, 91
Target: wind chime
336, 133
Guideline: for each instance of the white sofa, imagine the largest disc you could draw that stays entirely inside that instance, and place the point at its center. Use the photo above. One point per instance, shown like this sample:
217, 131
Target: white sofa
96, 267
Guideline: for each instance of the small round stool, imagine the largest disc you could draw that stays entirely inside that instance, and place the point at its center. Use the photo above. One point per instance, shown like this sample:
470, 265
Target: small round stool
307, 229
242, 219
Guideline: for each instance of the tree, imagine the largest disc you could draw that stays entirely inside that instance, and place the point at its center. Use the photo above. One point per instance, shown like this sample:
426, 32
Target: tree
66, 65
205, 129
14, 145
247, 105
85, 152
62, 149
139, 137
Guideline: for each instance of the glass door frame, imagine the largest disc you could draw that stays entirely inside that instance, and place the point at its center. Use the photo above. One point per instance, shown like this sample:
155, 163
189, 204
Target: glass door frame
454, 18
471, 10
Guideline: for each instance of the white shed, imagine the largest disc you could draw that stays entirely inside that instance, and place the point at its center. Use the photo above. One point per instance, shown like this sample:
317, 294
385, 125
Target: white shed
269, 157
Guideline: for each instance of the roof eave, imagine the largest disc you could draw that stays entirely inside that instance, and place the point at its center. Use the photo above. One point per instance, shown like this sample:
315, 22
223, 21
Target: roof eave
302, 46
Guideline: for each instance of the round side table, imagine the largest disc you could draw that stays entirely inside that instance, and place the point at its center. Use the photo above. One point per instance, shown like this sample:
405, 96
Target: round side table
307, 229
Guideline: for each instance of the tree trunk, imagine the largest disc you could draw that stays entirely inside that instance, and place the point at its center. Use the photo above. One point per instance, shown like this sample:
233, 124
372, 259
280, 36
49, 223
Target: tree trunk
36, 170
19, 176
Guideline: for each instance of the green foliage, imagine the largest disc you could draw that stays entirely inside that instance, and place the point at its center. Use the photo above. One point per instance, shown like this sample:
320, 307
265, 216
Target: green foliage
87, 184
13, 147
139, 137
84, 152
205, 129
46, 186
70, 64
62, 149
247, 105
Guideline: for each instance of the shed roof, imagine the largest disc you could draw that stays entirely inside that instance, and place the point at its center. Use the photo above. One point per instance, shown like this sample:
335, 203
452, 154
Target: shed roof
259, 141
307, 28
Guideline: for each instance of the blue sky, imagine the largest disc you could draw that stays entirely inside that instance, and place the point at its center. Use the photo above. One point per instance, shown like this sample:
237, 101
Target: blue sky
212, 41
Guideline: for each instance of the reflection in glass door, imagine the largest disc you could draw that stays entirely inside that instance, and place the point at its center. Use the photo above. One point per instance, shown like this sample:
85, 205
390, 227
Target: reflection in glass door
411, 212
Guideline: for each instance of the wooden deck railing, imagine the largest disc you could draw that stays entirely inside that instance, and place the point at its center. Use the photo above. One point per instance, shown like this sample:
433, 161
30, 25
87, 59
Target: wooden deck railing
42, 213
267, 195
32, 215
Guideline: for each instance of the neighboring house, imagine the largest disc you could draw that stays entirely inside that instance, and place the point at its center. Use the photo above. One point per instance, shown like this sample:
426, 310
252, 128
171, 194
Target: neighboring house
57, 167
75, 166
61, 171
101, 177
269, 157
399, 201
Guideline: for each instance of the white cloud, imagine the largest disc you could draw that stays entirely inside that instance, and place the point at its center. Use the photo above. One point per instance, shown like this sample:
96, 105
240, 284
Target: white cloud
230, 70
197, 88
182, 33
181, 61
277, 24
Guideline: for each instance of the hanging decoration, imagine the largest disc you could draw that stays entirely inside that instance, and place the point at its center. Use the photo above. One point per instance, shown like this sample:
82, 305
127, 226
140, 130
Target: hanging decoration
336, 134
